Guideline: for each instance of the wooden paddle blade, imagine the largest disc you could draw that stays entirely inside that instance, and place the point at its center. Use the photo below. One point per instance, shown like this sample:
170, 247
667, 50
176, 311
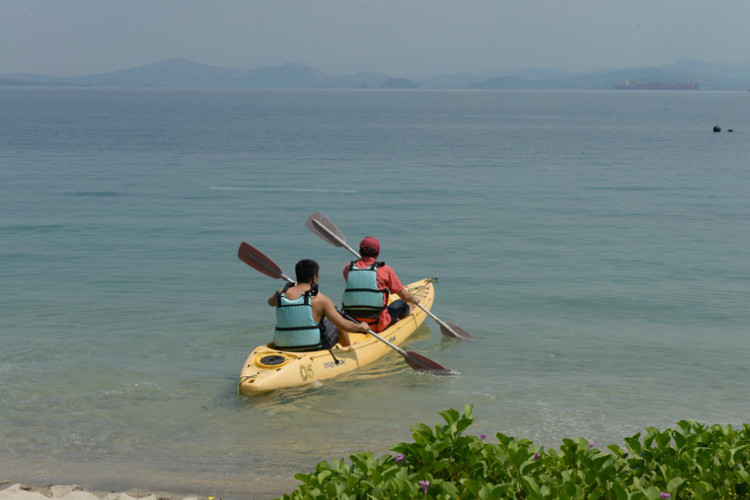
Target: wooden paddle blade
420, 362
325, 229
453, 330
257, 259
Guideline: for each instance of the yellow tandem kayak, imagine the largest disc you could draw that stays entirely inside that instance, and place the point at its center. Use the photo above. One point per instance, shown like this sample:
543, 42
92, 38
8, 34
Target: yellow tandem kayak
268, 368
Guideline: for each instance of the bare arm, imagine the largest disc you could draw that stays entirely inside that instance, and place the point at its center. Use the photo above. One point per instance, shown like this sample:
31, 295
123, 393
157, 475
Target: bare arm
272, 299
407, 296
343, 324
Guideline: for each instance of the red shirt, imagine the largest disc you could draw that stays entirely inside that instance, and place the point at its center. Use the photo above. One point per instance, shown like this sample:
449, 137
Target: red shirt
386, 278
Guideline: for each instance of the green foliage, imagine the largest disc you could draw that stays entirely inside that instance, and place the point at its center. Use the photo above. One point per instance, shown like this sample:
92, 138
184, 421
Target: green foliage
692, 461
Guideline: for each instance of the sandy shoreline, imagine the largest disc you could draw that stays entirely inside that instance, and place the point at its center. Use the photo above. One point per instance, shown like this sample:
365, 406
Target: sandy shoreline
21, 491
18, 491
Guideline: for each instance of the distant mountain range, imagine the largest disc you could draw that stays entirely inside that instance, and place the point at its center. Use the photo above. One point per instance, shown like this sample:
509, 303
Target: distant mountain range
181, 73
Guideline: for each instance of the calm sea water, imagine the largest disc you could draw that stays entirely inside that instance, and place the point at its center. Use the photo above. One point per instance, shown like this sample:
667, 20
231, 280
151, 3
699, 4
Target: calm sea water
597, 244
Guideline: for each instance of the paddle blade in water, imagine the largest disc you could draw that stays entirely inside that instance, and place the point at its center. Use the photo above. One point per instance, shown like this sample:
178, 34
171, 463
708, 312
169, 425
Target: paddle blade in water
420, 362
453, 330
325, 229
257, 259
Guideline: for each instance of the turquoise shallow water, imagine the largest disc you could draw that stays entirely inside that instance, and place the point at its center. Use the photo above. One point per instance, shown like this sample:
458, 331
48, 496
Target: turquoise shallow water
595, 242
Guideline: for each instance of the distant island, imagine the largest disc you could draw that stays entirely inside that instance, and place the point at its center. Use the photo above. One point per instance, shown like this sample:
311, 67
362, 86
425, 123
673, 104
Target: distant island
656, 85
182, 73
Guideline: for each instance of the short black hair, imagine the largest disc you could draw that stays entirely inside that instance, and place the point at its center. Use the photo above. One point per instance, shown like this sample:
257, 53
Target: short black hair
368, 252
305, 270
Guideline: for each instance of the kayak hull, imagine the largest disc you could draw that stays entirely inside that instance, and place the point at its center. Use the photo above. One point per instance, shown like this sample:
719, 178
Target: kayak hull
267, 368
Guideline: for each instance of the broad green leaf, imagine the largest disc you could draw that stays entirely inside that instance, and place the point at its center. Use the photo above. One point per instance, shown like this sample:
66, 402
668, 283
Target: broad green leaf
674, 484
652, 493
620, 492
532, 486
473, 486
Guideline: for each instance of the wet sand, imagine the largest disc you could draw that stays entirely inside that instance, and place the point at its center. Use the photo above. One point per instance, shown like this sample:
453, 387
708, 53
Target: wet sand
20, 491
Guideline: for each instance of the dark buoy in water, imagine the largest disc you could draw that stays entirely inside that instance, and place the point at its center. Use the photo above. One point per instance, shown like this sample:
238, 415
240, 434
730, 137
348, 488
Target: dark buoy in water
730, 130
717, 128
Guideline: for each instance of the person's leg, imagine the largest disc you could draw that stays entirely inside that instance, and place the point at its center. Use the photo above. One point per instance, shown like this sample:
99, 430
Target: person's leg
398, 309
330, 335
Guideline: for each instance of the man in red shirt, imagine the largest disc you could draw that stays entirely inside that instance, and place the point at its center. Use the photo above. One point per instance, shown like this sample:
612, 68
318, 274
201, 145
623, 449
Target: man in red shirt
368, 284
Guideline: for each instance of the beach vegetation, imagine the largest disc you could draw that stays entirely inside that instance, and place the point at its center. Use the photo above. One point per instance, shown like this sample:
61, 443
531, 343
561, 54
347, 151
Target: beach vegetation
690, 461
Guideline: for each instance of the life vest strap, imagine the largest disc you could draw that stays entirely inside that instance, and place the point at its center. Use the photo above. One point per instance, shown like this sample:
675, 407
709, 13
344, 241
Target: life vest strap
292, 328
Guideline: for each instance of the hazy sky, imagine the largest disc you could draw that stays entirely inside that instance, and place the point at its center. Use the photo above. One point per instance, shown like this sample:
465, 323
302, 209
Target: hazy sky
406, 38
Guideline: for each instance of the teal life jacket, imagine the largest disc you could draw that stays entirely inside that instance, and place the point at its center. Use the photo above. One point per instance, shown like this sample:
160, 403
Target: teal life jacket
296, 329
362, 297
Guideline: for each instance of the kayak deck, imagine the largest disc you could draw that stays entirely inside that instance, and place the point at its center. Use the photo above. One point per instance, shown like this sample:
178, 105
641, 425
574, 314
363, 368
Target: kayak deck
268, 368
